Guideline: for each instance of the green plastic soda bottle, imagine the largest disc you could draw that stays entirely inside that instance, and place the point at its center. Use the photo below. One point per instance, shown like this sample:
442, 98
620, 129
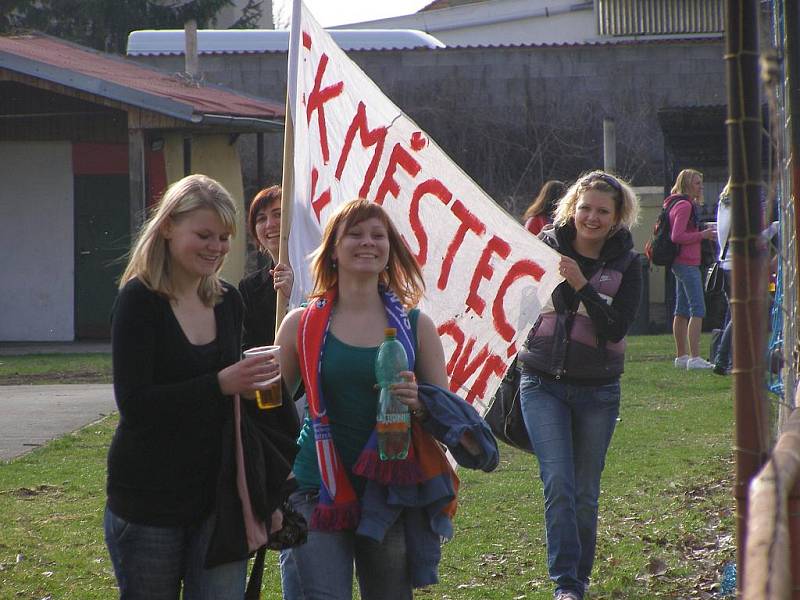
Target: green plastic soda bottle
394, 421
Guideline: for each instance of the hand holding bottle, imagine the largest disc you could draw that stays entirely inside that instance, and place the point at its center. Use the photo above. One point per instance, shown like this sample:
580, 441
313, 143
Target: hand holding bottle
407, 391
393, 422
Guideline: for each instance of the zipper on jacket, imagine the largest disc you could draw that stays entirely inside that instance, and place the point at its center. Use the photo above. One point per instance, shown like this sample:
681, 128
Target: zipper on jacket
568, 327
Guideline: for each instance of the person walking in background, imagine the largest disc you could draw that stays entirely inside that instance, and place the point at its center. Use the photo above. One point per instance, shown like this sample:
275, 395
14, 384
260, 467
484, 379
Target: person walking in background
685, 231
173, 518
540, 212
572, 361
259, 288
722, 359
365, 278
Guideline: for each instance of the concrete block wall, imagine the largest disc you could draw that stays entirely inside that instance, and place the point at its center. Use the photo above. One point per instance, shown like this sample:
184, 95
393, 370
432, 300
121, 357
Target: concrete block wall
463, 97
486, 106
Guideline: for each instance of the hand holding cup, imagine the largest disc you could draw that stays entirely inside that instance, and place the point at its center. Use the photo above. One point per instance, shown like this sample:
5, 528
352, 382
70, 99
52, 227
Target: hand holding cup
268, 391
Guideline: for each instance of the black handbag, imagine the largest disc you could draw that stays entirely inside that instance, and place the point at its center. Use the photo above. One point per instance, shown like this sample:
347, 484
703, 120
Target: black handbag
504, 414
715, 279
714, 283
293, 533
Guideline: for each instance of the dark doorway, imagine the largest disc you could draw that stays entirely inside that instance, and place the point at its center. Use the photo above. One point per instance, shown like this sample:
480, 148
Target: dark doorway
102, 239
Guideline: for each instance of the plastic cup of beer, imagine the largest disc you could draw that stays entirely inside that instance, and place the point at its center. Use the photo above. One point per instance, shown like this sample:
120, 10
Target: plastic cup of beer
268, 393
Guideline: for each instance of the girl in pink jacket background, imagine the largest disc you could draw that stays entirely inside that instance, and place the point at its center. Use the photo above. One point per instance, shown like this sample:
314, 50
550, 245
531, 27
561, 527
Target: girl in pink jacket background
686, 195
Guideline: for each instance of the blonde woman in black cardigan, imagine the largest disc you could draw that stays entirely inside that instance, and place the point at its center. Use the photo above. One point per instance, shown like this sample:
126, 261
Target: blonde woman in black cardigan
176, 339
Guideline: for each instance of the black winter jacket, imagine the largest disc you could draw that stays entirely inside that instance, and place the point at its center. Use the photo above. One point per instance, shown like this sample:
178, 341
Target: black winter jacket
579, 337
260, 300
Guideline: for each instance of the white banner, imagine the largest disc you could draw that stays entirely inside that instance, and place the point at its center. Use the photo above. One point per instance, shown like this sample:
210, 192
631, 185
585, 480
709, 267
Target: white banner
486, 276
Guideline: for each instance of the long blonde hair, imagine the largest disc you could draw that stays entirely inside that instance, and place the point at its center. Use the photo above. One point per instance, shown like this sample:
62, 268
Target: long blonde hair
625, 201
684, 180
150, 258
402, 275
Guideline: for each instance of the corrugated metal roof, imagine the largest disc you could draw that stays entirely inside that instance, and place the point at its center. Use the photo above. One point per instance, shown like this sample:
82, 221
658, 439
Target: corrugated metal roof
439, 4
154, 42
658, 17
129, 82
610, 43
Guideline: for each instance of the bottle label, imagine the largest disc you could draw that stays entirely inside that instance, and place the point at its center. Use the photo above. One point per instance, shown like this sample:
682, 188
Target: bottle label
395, 418
402, 427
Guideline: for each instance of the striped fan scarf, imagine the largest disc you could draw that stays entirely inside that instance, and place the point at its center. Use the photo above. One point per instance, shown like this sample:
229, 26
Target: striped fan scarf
338, 506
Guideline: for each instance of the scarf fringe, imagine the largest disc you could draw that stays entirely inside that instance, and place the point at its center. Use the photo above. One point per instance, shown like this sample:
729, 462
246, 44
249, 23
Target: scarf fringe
335, 517
387, 472
339, 509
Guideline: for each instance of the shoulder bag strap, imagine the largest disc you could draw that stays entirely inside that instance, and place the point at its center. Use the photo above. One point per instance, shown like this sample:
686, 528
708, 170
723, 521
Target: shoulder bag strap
725, 248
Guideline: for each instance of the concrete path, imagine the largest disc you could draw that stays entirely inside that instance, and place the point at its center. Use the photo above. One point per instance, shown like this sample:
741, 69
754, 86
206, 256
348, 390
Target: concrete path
32, 415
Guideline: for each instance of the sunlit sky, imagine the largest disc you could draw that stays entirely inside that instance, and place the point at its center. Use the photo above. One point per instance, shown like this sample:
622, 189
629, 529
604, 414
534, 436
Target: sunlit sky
338, 12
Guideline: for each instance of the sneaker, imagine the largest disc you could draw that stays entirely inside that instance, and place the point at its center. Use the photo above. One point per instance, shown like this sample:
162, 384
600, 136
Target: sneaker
720, 370
680, 362
566, 595
697, 362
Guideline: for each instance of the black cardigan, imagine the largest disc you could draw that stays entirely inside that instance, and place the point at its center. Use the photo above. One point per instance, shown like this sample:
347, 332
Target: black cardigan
260, 300
171, 461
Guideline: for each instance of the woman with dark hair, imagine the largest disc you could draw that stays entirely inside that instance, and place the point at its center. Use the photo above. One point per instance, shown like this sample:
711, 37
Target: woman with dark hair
572, 361
540, 212
259, 288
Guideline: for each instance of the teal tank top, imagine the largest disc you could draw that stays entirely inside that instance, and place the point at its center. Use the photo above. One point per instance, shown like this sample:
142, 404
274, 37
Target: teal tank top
348, 385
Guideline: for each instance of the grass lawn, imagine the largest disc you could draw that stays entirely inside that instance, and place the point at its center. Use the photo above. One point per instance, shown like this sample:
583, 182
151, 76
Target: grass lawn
55, 368
666, 510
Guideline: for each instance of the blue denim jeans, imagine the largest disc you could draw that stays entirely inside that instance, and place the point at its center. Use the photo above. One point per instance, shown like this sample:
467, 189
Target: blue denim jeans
689, 297
150, 563
322, 568
570, 427
723, 358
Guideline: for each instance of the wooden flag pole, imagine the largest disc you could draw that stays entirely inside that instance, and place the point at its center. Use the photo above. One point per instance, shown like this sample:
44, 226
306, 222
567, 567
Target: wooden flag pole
287, 191
287, 181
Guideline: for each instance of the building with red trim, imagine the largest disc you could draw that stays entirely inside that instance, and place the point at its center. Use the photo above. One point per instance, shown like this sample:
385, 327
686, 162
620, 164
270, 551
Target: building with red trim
87, 142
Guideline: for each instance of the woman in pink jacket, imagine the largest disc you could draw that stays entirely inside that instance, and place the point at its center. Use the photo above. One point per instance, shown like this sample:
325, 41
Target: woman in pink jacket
685, 231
